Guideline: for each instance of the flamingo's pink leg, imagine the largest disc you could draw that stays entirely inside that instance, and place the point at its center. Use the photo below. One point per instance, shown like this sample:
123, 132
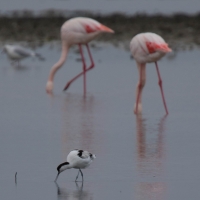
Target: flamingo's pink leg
140, 85
86, 70
91, 59
161, 89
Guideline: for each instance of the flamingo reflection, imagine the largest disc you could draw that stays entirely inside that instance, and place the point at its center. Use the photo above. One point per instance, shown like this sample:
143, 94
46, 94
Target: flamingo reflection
150, 158
78, 119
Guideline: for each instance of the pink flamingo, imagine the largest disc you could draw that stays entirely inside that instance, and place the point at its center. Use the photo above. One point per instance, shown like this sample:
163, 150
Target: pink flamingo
79, 30
147, 48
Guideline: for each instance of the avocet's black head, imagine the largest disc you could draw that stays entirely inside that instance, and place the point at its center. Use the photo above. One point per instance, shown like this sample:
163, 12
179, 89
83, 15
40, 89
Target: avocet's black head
61, 168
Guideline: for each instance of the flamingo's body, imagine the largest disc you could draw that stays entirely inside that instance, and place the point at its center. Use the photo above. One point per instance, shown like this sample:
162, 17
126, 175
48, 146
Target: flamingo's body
79, 30
147, 48
77, 159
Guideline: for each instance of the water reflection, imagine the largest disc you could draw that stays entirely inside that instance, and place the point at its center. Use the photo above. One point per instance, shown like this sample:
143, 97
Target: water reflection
78, 122
67, 194
150, 158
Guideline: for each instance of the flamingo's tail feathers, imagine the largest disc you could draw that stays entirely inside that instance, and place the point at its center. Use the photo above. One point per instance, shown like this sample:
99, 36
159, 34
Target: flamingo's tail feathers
105, 29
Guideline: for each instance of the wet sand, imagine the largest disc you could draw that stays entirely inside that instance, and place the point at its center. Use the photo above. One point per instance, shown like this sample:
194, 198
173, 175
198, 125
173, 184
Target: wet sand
181, 31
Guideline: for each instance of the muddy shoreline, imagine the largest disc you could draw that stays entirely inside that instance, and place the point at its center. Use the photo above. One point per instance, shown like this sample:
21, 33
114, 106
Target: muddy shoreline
181, 31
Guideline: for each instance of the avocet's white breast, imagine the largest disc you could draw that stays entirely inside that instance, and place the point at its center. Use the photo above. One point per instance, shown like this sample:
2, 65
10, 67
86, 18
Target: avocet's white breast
80, 159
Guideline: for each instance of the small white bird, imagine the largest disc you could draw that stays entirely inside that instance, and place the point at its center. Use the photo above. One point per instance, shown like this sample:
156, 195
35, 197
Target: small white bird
77, 159
17, 53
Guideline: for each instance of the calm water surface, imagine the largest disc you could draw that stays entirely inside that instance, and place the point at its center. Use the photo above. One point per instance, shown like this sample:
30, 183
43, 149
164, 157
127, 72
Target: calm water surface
147, 157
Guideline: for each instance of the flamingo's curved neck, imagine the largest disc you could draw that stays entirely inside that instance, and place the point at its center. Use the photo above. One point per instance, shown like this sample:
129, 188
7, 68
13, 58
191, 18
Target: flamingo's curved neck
60, 62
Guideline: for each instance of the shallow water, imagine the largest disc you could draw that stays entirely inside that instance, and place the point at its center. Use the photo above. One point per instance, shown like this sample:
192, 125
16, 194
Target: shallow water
151, 156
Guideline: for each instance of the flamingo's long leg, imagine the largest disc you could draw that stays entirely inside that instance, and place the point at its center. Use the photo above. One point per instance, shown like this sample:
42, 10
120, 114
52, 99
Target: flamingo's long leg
140, 86
139, 90
84, 69
91, 59
161, 88
77, 76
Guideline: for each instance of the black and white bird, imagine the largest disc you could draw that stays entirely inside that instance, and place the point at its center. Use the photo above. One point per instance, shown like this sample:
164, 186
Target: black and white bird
77, 159
17, 53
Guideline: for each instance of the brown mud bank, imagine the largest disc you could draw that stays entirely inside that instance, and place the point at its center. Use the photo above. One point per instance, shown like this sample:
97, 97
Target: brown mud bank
181, 31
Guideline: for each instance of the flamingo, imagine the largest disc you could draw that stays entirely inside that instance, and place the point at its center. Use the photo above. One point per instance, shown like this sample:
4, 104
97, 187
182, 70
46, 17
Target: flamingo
78, 159
78, 30
147, 48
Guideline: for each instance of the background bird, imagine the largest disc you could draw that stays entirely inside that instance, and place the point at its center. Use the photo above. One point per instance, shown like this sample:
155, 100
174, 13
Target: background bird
79, 30
17, 53
77, 159
147, 48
